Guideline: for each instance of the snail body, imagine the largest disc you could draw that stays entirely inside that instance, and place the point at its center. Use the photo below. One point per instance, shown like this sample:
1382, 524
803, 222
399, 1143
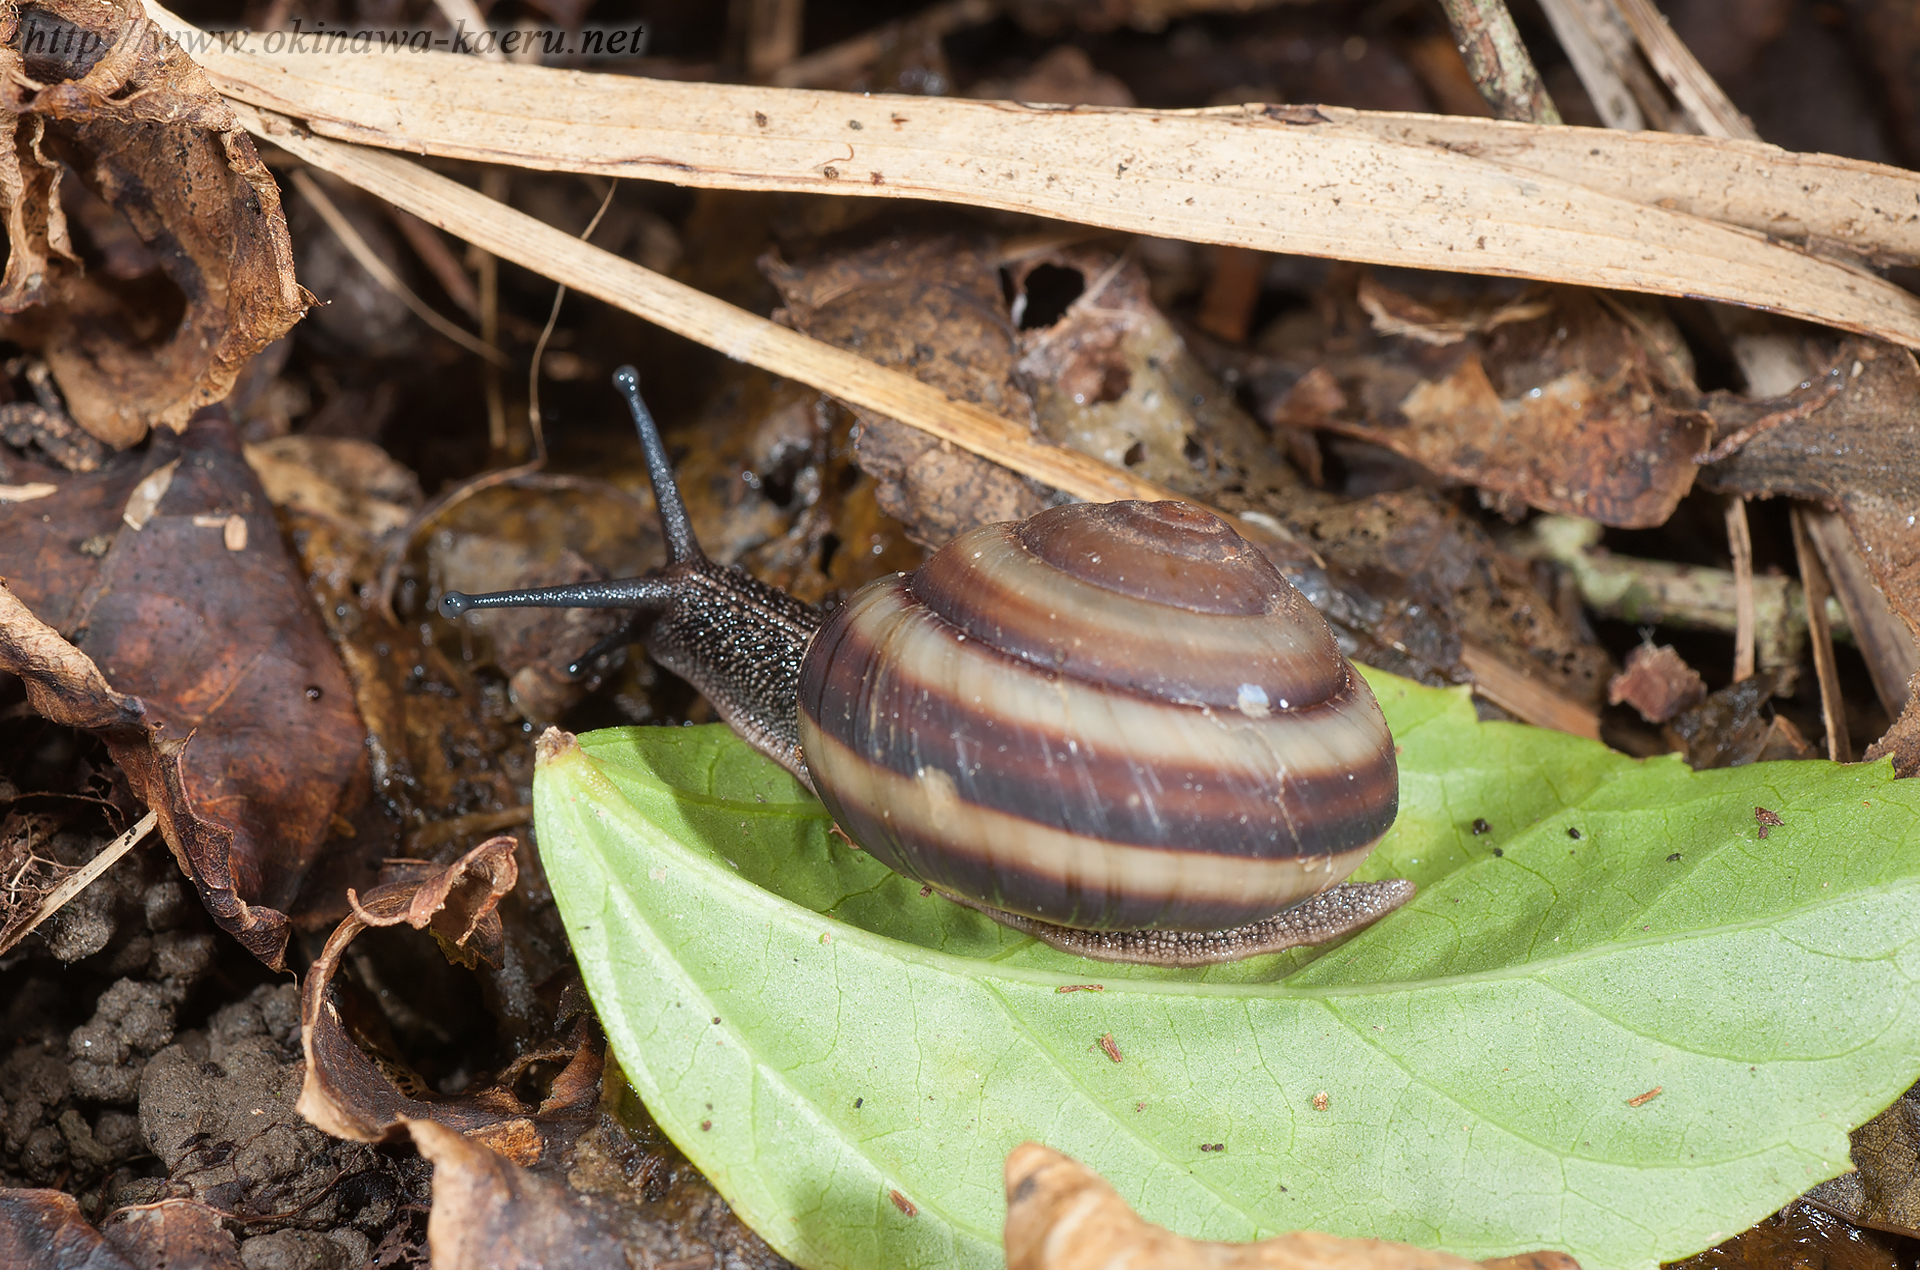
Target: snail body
1115, 726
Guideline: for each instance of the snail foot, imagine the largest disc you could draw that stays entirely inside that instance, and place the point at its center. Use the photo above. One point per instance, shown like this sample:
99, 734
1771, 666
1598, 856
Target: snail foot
1340, 910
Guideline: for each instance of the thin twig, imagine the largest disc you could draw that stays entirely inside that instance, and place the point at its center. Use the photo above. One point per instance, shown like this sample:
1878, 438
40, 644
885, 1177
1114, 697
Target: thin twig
841, 62
1647, 592
1813, 576
80, 880
1712, 111
1498, 61
377, 269
439, 260
534, 422
466, 13
1599, 51
493, 185
1740, 546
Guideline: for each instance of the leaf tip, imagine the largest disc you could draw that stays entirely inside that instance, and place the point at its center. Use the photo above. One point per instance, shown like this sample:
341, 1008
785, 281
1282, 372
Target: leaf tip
554, 744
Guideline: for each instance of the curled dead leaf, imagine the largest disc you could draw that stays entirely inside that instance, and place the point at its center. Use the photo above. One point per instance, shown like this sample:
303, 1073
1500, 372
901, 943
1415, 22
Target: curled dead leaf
1063, 1216
347, 1094
458, 902
98, 89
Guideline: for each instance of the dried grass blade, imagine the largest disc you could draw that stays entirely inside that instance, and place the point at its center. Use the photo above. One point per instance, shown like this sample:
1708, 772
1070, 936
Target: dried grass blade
1238, 176
81, 879
744, 336
1813, 576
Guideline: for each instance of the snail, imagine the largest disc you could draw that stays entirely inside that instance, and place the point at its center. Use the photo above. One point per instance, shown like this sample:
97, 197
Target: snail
1113, 726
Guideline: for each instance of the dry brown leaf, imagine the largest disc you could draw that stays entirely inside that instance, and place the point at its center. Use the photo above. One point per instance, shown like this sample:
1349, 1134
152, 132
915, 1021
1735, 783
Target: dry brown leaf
1554, 402
94, 85
931, 308
352, 482
64, 686
488, 1211
1883, 1191
345, 1092
1902, 741
1855, 452
1112, 378
1243, 176
44, 1230
1063, 1216
221, 644
1731, 727
173, 1234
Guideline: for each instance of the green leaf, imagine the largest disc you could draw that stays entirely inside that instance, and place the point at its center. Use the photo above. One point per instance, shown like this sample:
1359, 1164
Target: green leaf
817, 1035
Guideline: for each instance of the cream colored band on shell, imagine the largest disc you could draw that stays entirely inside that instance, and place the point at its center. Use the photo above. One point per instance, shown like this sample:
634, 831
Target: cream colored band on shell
927, 811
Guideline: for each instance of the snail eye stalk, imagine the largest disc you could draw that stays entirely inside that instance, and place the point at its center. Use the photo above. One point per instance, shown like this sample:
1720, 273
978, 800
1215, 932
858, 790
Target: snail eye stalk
646, 595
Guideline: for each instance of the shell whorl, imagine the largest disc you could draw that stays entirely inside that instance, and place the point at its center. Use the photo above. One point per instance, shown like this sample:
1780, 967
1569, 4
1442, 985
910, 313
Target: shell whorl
1111, 716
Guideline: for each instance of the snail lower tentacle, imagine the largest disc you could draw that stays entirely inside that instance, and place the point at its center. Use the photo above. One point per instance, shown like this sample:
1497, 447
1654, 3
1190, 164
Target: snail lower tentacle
1114, 727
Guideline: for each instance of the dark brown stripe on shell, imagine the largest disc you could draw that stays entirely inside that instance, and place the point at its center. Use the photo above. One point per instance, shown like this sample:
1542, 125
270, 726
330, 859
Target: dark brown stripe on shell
1129, 774
989, 584
918, 828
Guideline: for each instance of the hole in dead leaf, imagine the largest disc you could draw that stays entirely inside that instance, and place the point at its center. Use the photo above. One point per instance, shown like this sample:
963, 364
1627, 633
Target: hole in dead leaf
56, 49
1136, 453
1050, 290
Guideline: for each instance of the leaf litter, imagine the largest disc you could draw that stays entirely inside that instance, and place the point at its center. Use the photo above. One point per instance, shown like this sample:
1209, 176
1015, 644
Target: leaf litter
1394, 526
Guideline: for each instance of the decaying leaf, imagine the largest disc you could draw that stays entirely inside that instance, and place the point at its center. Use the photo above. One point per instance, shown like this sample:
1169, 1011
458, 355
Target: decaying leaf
1854, 452
1732, 727
44, 1230
1657, 682
345, 1093
1062, 1215
933, 308
204, 641
1552, 400
354, 482
96, 92
488, 1211
173, 1232
511, 1180
457, 902
1883, 1191
1902, 741
1110, 377
64, 685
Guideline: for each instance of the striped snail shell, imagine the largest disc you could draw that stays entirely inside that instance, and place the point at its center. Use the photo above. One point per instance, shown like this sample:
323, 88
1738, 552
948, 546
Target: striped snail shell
1114, 726
1110, 716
